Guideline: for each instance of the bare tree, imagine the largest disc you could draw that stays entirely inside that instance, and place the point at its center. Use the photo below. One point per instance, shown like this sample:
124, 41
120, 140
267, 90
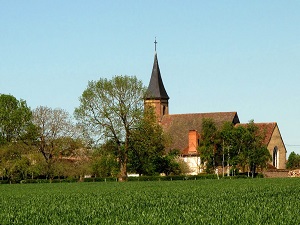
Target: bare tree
53, 125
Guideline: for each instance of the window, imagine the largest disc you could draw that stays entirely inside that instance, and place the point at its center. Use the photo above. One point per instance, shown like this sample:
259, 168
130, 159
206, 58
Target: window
274, 158
164, 110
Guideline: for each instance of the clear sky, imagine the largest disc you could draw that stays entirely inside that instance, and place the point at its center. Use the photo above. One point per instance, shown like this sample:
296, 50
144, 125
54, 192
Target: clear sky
214, 56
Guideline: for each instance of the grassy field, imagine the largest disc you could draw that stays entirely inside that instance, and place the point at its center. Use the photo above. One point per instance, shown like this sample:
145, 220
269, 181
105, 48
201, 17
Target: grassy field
239, 201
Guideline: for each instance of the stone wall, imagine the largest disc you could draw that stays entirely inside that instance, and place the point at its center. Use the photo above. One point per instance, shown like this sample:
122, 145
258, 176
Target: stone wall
276, 173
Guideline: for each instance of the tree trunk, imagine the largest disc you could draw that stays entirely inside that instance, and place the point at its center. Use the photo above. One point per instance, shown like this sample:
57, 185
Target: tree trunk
123, 163
123, 172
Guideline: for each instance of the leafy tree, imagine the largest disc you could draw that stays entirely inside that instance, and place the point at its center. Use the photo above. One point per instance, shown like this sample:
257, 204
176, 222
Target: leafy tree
103, 162
293, 161
255, 151
241, 145
208, 143
14, 161
110, 110
170, 164
146, 145
15, 137
15, 117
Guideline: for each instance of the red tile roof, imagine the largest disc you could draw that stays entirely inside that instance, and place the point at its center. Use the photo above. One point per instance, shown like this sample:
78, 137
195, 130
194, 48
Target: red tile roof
177, 126
265, 128
188, 152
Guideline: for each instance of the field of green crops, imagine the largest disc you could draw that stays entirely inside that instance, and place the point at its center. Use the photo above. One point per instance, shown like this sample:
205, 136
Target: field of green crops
239, 201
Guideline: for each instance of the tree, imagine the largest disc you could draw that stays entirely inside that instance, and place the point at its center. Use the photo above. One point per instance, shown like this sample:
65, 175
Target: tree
103, 162
14, 161
293, 161
170, 164
147, 144
15, 118
15, 132
241, 145
55, 132
208, 143
111, 109
255, 151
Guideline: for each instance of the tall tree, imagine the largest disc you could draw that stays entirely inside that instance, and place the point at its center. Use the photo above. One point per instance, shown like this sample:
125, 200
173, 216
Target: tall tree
15, 117
208, 143
15, 129
255, 151
146, 145
110, 109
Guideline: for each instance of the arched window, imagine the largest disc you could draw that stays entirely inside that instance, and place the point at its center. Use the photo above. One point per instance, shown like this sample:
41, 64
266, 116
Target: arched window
274, 158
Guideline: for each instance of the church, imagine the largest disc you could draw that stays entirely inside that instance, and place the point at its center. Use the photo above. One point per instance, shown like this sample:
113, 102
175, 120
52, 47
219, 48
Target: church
184, 129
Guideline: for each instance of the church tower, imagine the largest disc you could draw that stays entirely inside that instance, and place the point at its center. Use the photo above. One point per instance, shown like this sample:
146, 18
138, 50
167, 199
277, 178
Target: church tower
156, 95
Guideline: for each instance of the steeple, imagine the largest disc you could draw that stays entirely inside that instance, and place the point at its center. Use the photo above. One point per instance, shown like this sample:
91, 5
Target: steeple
156, 95
156, 89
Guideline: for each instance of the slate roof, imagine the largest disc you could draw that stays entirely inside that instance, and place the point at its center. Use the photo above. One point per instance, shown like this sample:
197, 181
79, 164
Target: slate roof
177, 126
156, 89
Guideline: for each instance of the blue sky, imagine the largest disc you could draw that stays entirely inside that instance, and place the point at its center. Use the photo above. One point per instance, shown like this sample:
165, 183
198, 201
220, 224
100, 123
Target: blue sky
214, 56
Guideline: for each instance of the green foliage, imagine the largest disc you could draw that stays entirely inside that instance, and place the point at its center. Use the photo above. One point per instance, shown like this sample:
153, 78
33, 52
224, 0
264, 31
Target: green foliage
109, 110
14, 164
146, 145
240, 146
235, 201
104, 160
208, 143
293, 161
15, 117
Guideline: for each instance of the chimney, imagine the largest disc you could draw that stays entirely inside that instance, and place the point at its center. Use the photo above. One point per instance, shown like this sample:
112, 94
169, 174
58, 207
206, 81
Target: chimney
193, 141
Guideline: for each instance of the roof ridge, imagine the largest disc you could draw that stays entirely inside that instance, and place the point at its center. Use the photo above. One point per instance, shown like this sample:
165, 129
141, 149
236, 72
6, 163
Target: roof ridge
200, 113
261, 123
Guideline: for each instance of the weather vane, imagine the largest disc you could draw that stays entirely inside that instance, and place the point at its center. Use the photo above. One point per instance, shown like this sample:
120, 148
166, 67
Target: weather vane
155, 42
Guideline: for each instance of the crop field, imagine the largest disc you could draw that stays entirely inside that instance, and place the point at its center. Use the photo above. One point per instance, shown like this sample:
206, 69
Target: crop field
239, 201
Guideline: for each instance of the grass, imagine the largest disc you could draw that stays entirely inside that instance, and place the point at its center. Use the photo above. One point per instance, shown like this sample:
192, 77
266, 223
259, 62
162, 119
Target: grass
240, 201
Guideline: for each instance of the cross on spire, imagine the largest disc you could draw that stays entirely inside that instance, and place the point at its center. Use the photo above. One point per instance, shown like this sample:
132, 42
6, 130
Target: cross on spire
155, 42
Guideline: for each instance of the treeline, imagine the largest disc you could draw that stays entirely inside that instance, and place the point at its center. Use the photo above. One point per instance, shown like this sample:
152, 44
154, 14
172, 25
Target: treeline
112, 135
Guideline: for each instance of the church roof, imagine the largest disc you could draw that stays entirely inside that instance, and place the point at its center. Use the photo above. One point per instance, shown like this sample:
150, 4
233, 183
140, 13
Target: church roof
177, 126
156, 89
266, 128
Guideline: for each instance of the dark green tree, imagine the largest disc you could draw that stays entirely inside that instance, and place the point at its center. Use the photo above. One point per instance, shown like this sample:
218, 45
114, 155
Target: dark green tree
15, 118
254, 150
110, 110
293, 161
104, 160
241, 146
16, 135
147, 145
169, 163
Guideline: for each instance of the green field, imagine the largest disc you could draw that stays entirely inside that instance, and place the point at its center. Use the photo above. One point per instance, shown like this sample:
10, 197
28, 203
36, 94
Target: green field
239, 201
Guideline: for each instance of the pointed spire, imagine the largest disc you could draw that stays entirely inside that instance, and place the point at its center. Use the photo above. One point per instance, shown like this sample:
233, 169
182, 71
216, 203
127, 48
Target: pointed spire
156, 89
